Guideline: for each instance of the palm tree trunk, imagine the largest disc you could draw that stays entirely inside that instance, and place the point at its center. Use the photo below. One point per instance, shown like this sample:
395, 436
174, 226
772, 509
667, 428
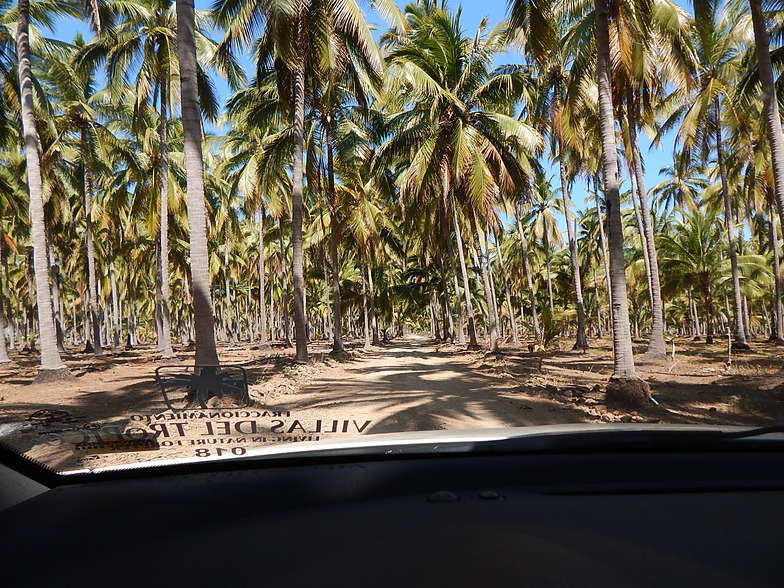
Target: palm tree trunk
492, 331
434, 317
747, 318
656, 346
778, 332
284, 303
507, 292
599, 332
158, 296
624, 384
228, 318
740, 335
458, 307
92, 294
328, 326
51, 363
334, 240
365, 319
710, 311
491, 274
116, 321
163, 169
529, 279
472, 343
461, 318
272, 314
204, 321
373, 313
325, 267
3, 322
57, 302
603, 242
337, 334
30, 322
11, 323
770, 103
3, 346
548, 275
641, 231
581, 341
262, 299
449, 323
297, 256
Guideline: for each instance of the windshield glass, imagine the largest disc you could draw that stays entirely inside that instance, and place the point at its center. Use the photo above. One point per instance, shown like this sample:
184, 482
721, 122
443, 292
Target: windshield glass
241, 225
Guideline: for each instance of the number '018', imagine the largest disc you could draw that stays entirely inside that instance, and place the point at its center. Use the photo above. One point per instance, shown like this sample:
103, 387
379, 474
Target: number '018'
220, 451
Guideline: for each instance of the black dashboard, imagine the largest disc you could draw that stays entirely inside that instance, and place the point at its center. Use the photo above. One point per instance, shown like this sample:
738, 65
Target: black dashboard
574, 519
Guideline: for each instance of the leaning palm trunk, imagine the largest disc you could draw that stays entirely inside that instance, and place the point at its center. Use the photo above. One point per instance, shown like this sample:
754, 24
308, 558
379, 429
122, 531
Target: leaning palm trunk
204, 321
777, 334
365, 320
491, 273
492, 324
116, 320
624, 384
529, 280
337, 335
507, 293
92, 295
603, 242
262, 302
373, 311
458, 308
770, 104
334, 240
297, 258
581, 341
472, 343
51, 363
3, 321
3, 348
548, 274
284, 286
740, 332
57, 302
164, 311
656, 345
641, 231
496, 324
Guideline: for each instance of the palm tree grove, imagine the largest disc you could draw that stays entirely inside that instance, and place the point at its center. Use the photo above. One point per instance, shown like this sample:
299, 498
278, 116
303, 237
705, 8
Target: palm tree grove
372, 201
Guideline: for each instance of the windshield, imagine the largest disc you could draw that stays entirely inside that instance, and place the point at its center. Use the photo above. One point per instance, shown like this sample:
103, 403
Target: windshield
240, 225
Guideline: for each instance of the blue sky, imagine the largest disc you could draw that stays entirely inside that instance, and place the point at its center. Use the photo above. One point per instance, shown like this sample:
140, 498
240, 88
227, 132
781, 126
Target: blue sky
473, 11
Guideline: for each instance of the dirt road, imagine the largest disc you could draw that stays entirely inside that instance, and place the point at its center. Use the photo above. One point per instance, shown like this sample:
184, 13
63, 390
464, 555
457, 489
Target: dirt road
411, 386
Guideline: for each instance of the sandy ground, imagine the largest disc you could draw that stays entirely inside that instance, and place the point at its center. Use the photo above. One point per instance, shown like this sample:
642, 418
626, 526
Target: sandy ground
410, 384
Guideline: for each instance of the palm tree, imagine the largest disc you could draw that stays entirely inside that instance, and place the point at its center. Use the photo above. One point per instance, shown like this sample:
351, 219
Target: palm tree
52, 366
297, 37
624, 383
204, 321
691, 262
147, 34
538, 18
527, 266
340, 85
682, 186
662, 54
464, 151
542, 29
